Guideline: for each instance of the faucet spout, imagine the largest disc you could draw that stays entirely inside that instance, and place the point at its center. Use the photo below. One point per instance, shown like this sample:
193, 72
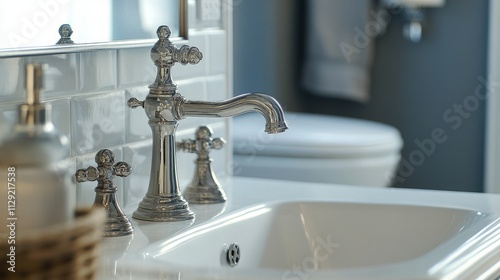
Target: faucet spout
245, 103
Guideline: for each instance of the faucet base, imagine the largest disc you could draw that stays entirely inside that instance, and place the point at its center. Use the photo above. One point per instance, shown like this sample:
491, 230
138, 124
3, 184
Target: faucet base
158, 208
204, 194
204, 188
117, 223
118, 226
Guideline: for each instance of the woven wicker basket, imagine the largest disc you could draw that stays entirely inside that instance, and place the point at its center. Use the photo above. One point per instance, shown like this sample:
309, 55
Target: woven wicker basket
66, 251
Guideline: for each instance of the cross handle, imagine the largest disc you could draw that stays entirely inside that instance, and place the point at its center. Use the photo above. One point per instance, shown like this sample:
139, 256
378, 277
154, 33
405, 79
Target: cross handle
203, 142
106, 169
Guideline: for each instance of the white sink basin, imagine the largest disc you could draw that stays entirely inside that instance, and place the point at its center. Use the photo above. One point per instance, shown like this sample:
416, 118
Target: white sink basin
381, 234
317, 236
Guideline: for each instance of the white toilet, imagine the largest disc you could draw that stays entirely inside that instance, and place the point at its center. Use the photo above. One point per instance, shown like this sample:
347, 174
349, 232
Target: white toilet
317, 148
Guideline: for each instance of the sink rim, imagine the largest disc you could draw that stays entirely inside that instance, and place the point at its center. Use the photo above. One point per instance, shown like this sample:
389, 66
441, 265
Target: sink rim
243, 192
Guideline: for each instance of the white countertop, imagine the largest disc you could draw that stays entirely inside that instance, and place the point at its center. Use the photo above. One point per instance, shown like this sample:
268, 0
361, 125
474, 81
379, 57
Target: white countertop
244, 192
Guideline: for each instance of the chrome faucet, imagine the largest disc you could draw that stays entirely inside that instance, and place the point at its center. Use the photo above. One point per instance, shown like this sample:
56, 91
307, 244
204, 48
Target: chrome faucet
204, 187
165, 107
117, 223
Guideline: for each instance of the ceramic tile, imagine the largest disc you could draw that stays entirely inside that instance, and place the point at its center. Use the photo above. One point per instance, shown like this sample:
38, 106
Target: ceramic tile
8, 117
135, 67
85, 191
61, 117
197, 39
72, 169
8, 114
12, 79
217, 56
217, 88
192, 89
60, 74
138, 155
137, 122
98, 70
98, 121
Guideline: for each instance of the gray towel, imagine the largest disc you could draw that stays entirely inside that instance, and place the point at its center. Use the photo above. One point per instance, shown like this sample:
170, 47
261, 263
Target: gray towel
340, 40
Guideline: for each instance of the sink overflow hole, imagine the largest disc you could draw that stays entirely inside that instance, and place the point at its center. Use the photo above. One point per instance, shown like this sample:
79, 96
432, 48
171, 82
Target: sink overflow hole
233, 254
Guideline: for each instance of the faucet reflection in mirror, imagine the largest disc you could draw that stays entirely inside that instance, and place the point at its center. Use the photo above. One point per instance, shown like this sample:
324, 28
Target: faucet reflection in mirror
165, 107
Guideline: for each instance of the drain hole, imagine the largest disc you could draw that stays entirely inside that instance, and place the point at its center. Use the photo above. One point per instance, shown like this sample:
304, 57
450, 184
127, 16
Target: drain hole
233, 254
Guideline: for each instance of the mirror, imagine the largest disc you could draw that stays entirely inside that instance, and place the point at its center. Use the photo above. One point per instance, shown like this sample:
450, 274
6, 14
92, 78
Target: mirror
30, 27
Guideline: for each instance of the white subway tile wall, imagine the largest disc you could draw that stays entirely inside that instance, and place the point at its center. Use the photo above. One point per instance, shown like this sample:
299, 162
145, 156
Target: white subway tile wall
135, 67
138, 155
198, 39
217, 59
137, 128
60, 74
216, 87
97, 71
192, 89
98, 122
89, 93
61, 117
12, 79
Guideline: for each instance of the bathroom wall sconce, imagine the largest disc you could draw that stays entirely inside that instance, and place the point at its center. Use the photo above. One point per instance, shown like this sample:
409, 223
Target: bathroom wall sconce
413, 13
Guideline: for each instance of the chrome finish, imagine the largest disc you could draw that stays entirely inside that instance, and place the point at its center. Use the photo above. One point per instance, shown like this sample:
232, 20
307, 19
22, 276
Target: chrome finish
165, 107
267, 106
164, 54
77, 48
415, 17
117, 223
204, 187
134, 103
163, 201
233, 254
65, 32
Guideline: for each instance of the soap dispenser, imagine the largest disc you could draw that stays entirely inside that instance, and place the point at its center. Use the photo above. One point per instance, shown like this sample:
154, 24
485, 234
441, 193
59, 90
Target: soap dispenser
36, 188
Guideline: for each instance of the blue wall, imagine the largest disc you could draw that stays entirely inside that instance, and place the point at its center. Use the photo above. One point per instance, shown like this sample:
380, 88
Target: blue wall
425, 89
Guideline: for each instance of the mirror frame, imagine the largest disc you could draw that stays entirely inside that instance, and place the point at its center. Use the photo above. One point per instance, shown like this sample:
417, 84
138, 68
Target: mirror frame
85, 47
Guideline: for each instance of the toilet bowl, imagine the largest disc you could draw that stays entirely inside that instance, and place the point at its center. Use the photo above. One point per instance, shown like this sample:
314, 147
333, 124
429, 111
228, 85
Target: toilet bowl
317, 148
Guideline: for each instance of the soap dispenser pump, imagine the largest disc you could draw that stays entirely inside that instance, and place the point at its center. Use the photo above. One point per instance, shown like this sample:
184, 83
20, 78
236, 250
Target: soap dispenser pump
34, 171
